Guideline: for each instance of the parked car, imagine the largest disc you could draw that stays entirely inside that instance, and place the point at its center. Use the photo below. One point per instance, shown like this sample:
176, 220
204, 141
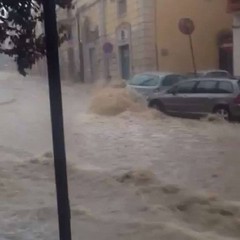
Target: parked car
153, 82
211, 74
200, 97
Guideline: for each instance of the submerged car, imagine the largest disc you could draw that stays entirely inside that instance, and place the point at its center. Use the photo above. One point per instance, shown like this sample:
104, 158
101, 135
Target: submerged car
153, 82
200, 97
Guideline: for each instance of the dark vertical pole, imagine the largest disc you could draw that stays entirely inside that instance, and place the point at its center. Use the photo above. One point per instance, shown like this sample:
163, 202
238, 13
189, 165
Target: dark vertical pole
80, 44
57, 119
192, 53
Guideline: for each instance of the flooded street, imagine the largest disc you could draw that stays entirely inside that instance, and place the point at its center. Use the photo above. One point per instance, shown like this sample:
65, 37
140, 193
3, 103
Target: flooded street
137, 175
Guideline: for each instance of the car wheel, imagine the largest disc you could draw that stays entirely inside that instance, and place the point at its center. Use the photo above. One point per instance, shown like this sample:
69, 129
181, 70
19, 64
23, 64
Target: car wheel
156, 105
222, 112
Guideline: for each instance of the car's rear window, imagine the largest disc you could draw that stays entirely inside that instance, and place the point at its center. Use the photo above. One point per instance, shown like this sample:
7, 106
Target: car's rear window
225, 87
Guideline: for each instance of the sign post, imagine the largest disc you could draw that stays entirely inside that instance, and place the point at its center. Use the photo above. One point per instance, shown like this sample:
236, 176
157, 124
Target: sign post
55, 96
186, 26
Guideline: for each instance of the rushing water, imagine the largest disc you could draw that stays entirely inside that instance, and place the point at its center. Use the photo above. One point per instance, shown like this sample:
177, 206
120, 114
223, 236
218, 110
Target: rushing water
134, 175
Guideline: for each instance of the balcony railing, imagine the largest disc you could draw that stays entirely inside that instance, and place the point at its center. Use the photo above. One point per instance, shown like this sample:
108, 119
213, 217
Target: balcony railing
233, 6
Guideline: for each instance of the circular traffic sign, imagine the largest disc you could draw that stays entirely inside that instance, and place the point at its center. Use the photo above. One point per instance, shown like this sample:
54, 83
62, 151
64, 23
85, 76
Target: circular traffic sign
107, 47
186, 26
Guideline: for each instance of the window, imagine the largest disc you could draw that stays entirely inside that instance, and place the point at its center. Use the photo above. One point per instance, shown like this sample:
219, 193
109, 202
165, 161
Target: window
171, 80
239, 84
186, 87
147, 80
225, 87
206, 87
122, 7
152, 82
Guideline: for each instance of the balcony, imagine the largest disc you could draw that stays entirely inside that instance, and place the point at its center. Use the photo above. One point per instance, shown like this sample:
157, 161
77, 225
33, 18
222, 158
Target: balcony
233, 6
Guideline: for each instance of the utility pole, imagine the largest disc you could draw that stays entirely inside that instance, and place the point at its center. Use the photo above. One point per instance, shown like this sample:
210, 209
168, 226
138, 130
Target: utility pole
55, 96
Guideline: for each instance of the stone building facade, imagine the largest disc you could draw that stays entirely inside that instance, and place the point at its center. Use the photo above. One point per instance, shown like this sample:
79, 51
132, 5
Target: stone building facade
119, 38
114, 38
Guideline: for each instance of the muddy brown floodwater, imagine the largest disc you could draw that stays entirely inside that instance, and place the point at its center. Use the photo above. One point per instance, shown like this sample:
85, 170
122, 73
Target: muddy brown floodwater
134, 174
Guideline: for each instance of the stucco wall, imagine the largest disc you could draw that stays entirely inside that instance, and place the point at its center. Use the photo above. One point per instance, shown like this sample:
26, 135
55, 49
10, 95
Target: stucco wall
154, 38
140, 18
139, 22
210, 18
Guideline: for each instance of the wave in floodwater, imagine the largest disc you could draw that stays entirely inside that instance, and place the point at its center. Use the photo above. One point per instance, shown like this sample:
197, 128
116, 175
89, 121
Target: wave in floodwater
131, 204
114, 99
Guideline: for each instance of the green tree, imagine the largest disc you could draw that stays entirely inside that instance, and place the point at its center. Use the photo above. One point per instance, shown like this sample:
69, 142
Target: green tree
18, 21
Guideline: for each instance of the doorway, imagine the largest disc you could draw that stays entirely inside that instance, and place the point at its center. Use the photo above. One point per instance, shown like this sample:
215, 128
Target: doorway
92, 61
226, 58
225, 45
124, 54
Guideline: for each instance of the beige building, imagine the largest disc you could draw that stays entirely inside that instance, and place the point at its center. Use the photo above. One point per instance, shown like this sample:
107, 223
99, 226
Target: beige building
212, 38
116, 37
119, 38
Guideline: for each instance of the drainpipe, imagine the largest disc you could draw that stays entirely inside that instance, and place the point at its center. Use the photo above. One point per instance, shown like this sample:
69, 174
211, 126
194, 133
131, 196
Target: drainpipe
102, 33
156, 34
80, 45
71, 62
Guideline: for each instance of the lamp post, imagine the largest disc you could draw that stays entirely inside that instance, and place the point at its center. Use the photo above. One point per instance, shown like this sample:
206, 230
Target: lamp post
55, 97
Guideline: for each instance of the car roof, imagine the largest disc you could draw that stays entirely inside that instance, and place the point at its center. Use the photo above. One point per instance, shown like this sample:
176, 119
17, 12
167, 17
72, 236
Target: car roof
204, 72
158, 73
211, 70
212, 79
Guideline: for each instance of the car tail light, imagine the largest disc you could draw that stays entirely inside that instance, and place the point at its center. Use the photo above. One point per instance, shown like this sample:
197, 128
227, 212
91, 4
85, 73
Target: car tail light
237, 99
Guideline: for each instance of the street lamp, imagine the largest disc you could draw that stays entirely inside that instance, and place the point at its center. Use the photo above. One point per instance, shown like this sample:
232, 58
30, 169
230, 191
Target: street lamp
55, 96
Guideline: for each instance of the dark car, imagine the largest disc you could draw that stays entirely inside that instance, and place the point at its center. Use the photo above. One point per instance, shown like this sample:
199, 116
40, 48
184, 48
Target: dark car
200, 97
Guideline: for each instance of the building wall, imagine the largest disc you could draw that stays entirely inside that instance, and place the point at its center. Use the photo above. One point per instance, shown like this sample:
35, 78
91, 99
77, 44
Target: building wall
236, 43
116, 23
154, 39
139, 24
210, 18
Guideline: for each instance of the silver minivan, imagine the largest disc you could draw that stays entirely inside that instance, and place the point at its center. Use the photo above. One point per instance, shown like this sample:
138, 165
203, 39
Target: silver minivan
200, 97
149, 83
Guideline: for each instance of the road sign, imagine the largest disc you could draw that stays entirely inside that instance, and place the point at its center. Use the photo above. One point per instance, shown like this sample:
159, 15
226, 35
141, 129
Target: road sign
107, 47
186, 26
